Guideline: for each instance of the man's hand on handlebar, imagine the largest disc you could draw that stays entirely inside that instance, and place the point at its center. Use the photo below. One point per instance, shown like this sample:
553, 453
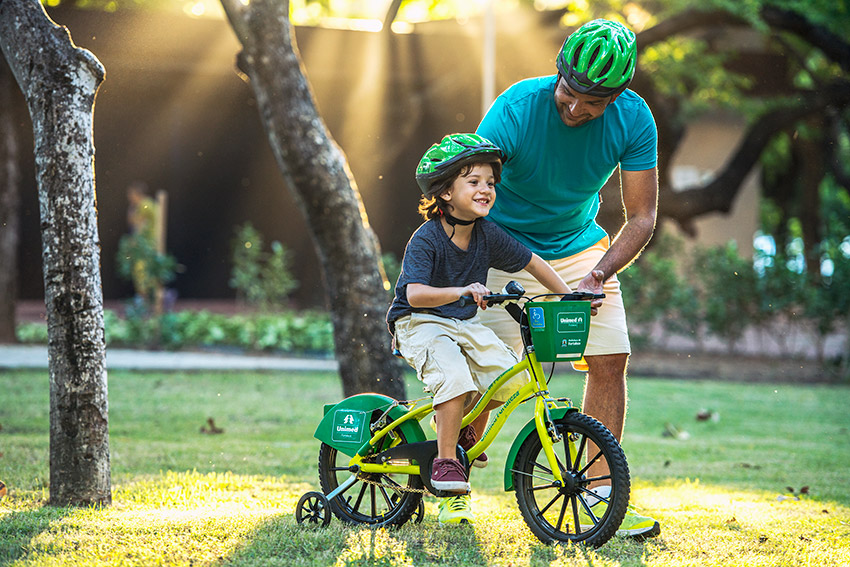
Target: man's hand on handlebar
592, 283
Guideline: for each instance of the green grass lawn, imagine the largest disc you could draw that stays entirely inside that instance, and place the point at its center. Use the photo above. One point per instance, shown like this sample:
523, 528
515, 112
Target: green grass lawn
182, 497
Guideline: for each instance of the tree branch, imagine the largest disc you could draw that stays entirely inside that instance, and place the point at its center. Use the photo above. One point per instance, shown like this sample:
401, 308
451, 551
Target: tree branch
719, 194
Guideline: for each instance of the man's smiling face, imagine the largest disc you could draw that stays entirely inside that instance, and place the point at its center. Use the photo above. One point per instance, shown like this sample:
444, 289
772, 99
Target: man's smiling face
575, 108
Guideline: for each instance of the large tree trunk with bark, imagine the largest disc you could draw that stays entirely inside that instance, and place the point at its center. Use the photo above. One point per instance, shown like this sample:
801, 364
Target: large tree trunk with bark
9, 205
59, 82
316, 171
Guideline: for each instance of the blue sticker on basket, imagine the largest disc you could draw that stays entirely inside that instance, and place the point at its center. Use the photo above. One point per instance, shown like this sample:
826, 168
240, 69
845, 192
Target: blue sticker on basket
536, 318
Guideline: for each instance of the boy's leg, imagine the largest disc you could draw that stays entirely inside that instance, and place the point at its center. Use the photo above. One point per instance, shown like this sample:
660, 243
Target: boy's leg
449, 415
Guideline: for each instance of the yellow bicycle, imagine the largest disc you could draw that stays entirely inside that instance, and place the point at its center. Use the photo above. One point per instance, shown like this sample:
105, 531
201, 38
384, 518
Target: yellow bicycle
375, 460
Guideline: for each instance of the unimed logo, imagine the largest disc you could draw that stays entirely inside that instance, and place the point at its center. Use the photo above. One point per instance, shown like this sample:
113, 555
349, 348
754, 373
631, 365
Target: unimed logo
348, 425
571, 322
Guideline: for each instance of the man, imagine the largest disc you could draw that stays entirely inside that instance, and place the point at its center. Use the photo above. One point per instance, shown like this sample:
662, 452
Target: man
563, 136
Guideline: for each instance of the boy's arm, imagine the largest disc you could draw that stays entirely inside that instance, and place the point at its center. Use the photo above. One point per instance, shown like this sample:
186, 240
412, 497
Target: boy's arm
546, 275
421, 295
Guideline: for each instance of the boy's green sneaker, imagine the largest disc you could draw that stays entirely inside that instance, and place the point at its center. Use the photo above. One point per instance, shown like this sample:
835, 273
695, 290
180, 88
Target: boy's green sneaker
634, 525
455, 510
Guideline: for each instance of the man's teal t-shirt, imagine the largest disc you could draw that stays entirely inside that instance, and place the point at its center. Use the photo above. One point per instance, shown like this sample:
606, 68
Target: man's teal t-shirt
549, 193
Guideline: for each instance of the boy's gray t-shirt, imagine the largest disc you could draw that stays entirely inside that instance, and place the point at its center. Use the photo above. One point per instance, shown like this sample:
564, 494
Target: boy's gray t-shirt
430, 258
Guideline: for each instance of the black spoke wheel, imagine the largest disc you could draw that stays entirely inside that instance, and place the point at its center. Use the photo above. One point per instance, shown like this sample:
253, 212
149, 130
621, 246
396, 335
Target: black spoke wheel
588, 456
375, 499
313, 508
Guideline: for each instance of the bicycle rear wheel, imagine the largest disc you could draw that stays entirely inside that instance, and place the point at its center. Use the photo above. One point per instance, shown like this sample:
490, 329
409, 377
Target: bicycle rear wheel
563, 513
375, 499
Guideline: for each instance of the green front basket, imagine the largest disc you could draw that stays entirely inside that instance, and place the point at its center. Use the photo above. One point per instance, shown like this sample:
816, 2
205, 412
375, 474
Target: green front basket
559, 329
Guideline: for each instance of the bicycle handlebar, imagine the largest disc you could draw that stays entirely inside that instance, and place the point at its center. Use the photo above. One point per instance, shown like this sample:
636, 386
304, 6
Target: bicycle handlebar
514, 291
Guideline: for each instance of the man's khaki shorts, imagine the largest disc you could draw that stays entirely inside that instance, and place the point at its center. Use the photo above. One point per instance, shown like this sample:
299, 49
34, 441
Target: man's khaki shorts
608, 331
455, 357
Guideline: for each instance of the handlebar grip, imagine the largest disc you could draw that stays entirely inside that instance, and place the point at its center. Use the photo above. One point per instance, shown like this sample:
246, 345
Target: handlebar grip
582, 296
490, 299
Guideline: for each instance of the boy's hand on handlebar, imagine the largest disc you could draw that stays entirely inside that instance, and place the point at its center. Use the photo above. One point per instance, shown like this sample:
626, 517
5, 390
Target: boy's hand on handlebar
476, 292
593, 283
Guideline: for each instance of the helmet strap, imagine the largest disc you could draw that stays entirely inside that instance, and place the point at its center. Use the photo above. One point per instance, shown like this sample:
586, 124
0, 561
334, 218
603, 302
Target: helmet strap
454, 221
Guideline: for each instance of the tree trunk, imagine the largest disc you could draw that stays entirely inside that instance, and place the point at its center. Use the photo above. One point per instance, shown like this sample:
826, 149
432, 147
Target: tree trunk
9, 205
316, 171
59, 82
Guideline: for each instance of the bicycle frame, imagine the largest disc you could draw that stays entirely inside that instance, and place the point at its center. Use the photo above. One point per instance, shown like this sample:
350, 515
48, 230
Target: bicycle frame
536, 388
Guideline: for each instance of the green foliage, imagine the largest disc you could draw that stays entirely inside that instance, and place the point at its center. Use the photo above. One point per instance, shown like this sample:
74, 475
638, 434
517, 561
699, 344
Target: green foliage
392, 269
687, 70
261, 278
308, 332
716, 291
658, 291
139, 262
728, 292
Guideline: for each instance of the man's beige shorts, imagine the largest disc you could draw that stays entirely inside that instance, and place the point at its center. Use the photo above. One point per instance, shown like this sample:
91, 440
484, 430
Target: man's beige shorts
455, 357
608, 331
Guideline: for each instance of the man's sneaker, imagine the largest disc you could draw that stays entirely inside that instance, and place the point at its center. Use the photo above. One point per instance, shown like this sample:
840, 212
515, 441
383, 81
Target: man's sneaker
637, 526
455, 510
449, 475
465, 440
633, 525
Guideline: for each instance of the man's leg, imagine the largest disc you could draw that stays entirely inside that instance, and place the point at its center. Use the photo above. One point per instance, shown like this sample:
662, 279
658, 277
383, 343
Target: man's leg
605, 391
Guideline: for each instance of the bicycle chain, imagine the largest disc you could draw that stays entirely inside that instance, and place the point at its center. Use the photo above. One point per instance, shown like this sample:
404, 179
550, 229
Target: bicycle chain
398, 488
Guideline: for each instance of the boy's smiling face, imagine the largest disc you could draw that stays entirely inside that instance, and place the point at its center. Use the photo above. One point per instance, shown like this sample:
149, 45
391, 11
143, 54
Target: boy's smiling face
471, 196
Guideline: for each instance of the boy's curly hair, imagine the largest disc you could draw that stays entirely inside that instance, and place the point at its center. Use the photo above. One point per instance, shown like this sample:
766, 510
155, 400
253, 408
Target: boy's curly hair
432, 205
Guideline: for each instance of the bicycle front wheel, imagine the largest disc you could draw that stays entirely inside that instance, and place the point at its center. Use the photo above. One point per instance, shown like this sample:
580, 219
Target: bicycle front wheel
375, 499
588, 456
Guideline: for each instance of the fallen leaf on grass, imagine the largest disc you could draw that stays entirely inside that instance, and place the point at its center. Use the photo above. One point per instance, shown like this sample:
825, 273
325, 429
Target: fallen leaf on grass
212, 429
671, 430
732, 523
707, 414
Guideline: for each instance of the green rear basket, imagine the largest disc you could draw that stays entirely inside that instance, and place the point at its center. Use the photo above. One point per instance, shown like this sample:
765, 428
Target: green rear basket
558, 329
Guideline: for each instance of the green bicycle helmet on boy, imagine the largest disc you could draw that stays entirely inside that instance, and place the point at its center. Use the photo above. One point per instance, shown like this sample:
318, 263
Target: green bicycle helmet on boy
442, 160
598, 59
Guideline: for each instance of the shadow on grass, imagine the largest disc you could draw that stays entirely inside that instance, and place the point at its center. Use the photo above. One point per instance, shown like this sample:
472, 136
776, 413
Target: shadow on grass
18, 529
615, 551
280, 541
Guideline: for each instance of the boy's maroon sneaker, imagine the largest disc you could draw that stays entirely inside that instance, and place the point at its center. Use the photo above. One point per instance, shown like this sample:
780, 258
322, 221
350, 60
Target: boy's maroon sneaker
467, 440
449, 475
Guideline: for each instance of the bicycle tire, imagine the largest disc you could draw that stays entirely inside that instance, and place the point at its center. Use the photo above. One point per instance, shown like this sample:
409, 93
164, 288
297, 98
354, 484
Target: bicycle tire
554, 513
390, 503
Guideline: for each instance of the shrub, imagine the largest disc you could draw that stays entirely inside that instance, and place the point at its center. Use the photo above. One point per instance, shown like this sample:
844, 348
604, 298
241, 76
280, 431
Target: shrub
308, 332
261, 278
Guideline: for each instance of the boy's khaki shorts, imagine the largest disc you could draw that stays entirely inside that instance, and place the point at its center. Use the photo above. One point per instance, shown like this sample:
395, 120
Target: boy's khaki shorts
454, 357
608, 331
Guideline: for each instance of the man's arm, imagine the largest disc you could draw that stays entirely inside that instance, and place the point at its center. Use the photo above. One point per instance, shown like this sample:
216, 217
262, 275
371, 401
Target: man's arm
640, 198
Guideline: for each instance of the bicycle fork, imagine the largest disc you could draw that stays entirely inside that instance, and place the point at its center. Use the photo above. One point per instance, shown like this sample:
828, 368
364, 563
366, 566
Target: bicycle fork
542, 423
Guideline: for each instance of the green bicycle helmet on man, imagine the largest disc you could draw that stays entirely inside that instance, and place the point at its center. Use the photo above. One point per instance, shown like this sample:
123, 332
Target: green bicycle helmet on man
599, 58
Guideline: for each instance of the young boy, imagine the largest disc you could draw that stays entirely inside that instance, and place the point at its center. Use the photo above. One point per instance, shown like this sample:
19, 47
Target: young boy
447, 257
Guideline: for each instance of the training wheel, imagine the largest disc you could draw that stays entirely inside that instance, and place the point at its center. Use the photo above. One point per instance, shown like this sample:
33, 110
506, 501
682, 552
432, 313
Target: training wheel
313, 508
